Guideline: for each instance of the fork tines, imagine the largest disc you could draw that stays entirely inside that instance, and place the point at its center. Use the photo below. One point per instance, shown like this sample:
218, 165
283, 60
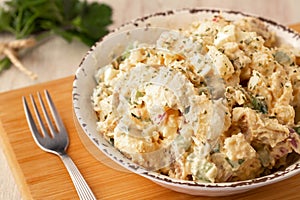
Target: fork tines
51, 127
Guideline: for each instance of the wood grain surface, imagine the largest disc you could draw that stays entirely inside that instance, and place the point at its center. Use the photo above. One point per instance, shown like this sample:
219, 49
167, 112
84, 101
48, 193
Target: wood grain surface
41, 175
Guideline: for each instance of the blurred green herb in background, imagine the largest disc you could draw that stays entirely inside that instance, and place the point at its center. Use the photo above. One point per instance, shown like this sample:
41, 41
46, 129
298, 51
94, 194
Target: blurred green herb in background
70, 19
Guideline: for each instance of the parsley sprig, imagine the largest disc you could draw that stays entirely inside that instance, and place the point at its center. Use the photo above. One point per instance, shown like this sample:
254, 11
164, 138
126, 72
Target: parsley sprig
70, 19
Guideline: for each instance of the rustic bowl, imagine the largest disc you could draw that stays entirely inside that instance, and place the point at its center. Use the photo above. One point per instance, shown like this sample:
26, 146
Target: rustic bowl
114, 44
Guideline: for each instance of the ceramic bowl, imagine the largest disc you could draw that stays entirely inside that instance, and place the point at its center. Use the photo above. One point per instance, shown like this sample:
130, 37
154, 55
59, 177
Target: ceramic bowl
113, 44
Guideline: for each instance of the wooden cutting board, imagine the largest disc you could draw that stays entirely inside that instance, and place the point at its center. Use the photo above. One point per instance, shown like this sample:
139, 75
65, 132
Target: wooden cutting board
41, 175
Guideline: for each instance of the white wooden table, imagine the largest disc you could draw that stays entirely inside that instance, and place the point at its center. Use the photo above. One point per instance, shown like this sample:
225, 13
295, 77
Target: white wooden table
56, 58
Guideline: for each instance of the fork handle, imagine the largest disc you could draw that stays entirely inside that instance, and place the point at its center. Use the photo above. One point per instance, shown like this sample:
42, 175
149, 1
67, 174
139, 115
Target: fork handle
83, 190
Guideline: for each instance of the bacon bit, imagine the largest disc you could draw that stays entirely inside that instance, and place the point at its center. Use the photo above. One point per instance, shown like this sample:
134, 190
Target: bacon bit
293, 142
216, 18
297, 60
161, 117
292, 130
171, 111
167, 113
283, 150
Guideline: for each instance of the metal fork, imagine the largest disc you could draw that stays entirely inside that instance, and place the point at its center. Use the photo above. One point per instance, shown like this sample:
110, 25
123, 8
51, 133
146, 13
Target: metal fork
56, 141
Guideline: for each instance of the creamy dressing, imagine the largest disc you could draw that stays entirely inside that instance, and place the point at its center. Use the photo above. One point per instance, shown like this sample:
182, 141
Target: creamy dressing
214, 102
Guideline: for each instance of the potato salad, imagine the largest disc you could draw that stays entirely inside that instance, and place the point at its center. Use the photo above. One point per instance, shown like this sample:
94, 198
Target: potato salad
215, 102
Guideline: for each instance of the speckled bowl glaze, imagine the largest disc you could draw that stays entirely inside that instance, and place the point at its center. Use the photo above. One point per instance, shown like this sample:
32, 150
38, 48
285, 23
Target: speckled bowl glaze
141, 29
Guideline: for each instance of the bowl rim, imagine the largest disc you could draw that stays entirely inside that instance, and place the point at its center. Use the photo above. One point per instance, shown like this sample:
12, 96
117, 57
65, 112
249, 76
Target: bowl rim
196, 10
257, 182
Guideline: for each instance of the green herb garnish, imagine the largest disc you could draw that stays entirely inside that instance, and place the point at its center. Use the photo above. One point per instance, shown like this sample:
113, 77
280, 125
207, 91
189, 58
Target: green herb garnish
282, 57
297, 129
70, 19
187, 109
4, 63
234, 164
259, 105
